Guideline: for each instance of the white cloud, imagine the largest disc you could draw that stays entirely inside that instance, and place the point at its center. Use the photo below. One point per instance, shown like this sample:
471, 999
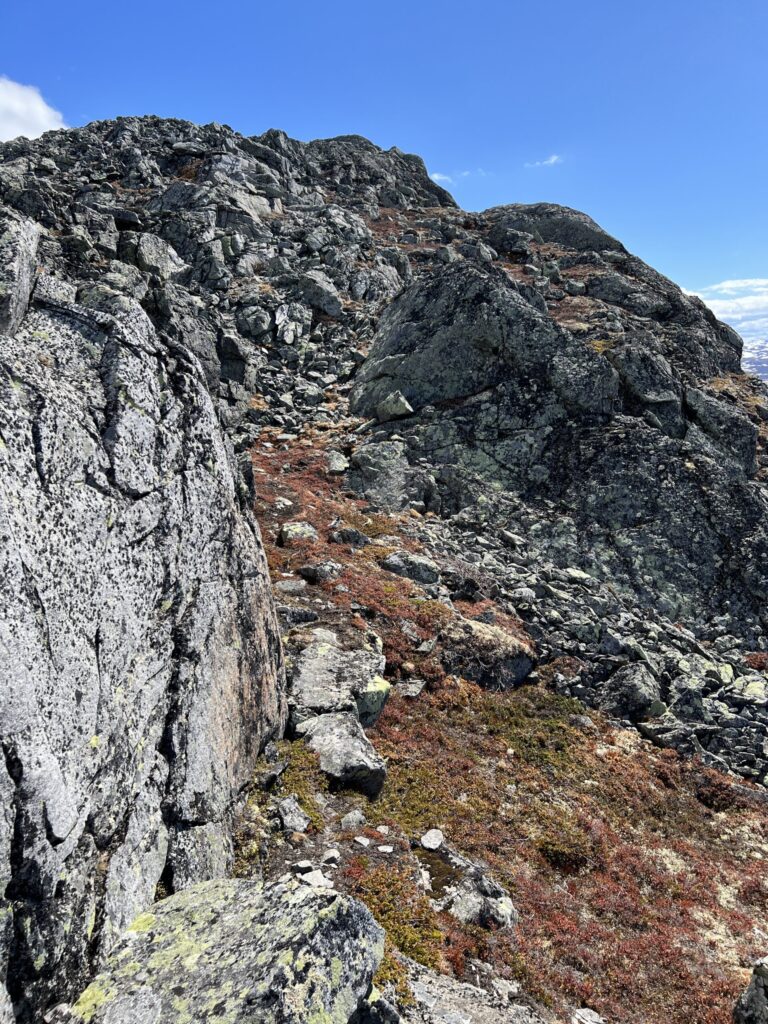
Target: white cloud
742, 303
549, 162
456, 177
23, 111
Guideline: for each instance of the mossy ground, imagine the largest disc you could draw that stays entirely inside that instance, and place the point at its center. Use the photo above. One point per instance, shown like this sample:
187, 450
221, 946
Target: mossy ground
639, 877
627, 883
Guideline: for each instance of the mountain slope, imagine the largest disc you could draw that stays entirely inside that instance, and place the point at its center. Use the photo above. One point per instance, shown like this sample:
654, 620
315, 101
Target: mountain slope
489, 451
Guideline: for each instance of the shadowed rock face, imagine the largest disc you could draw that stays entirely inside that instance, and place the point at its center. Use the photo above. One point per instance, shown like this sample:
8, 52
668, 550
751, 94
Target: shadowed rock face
618, 436
752, 1007
140, 666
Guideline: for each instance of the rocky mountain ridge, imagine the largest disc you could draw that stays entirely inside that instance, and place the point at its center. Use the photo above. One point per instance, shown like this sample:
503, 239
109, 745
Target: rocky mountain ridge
546, 443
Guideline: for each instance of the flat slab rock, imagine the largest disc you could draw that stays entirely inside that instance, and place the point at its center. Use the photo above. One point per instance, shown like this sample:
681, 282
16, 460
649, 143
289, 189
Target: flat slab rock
240, 952
443, 1000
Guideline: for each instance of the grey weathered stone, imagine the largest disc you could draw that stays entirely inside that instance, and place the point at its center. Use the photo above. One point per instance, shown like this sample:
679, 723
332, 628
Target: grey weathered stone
631, 692
326, 678
490, 656
292, 818
393, 406
18, 246
418, 568
141, 669
752, 1007
346, 754
317, 289
292, 534
286, 953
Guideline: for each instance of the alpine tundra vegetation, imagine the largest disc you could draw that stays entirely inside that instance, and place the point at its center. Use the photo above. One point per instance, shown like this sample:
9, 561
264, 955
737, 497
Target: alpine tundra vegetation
384, 586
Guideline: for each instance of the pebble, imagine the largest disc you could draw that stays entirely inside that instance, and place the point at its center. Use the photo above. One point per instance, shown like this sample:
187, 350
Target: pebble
433, 839
317, 880
352, 820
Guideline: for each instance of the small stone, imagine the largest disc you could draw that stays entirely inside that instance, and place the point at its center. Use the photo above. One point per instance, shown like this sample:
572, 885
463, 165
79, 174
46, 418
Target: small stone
393, 407
433, 839
352, 820
291, 588
321, 572
317, 880
414, 567
302, 867
292, 818
349, 535
362, 841
411, 689
586, 1016
331, 857
292, 534
337, 463
385, 849
383, 829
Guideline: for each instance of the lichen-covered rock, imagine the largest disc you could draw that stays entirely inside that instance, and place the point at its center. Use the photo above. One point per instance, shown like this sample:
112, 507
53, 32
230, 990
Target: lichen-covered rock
506, 399
326, 678
287, 953
418, 568
632, 692
18, 247
140, 667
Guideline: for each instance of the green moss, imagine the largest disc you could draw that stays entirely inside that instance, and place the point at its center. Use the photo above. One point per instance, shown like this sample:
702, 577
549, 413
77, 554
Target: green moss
392, 975
403, 911
303, 778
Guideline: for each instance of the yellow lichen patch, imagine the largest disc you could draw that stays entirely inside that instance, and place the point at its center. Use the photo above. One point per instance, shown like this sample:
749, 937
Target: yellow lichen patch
95, 996
142, 923
601, 345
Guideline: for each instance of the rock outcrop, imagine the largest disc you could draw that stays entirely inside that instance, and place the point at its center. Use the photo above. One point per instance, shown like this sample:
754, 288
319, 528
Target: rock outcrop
752, 1008
141, 666
288, 953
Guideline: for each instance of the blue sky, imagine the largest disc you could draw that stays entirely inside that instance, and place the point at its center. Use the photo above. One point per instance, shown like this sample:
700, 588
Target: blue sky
650, 116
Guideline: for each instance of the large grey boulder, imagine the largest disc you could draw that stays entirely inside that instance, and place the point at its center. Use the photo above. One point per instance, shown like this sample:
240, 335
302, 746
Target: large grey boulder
632, 692
467, 329
549, 223
140, 666
239, 951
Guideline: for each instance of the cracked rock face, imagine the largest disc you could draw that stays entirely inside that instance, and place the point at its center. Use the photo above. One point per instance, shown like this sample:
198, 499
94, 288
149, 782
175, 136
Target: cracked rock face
752, 1007
505, 398
141, 668
287, 953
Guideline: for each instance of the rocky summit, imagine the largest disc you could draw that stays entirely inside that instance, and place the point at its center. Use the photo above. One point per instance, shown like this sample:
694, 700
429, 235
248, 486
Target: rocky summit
384, 630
